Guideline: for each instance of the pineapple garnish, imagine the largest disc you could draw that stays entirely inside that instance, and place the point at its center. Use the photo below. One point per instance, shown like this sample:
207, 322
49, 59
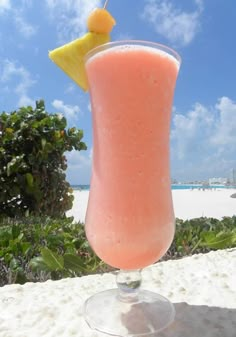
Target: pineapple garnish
71, 56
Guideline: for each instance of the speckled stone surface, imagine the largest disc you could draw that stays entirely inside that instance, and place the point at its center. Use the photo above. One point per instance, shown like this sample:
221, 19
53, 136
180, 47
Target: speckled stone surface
202, 288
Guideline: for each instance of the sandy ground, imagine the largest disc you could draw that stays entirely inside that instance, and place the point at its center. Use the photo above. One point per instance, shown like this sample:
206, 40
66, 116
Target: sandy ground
202, 288
188, 204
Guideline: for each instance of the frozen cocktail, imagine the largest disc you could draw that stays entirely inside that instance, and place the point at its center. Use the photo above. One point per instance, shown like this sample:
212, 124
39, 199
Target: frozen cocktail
130, 219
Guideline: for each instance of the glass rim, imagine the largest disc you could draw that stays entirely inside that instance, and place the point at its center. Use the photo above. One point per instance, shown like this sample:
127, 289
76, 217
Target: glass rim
155, 45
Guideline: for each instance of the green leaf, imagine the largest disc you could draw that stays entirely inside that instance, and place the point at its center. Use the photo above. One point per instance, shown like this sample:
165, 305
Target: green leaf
14, 264
15, 231
9, 130
8, 257
53, 260
25, 247
43, 142
220, 240
9, 165
74, 263
29, 179
20, 276
38, 264
20, 237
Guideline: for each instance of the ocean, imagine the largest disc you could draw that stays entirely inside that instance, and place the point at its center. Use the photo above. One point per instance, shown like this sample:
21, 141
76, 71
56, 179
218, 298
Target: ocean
173, 187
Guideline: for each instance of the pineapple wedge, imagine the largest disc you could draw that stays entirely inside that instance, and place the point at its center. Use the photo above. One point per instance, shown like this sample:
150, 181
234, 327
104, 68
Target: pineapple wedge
70, 57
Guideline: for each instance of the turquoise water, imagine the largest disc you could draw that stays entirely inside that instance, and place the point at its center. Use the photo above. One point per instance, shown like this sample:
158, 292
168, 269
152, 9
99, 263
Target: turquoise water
81, 187
190, 187
173, 187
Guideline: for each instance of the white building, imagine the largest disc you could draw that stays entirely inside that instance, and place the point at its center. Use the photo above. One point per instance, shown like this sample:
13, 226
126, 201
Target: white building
232, 177
218, 181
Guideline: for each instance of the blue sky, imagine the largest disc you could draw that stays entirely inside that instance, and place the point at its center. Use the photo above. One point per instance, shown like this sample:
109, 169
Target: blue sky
203, 132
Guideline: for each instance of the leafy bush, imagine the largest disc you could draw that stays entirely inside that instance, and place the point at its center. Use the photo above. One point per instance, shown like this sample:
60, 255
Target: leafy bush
33, 164
36, 249
201, 235
40, 249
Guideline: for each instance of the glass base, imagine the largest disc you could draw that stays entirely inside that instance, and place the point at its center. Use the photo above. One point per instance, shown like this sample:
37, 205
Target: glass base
145, 315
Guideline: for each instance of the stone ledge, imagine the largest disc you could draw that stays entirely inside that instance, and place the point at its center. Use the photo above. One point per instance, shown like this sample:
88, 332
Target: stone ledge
202, 287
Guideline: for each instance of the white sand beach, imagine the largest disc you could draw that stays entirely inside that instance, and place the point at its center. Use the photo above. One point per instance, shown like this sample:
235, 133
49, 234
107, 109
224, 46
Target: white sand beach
188, 204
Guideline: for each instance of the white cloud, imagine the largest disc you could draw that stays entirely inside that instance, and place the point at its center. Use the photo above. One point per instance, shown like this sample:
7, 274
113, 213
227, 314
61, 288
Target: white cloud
5, 5
79, 166
176, 25
200, 4
69, 16
26, 101
78, 159
23, 27
70, 88
18, 16
19, 78
203, 141
226, 125
71, 112
186, 128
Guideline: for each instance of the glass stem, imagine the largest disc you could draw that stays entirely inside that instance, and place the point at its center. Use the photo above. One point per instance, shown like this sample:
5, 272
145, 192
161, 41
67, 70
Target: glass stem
128, 283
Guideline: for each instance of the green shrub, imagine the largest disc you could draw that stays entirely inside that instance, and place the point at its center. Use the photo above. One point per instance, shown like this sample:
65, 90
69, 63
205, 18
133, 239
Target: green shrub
37, 249
201, 235
33, 164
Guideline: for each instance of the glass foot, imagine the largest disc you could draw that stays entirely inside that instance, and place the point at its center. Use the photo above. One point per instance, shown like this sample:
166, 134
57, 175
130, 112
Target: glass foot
145, 315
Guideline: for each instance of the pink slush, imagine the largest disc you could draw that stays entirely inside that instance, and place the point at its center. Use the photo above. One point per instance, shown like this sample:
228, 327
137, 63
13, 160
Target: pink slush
130, 218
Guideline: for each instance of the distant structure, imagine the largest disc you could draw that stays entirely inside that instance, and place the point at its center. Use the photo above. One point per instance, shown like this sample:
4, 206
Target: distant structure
231, 180
218, 181
232, 176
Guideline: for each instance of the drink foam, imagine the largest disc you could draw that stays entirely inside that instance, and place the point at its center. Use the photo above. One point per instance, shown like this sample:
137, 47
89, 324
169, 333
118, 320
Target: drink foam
133, 46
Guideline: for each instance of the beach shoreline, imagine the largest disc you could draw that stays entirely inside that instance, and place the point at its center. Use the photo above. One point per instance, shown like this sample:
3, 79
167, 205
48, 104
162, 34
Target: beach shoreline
188, 204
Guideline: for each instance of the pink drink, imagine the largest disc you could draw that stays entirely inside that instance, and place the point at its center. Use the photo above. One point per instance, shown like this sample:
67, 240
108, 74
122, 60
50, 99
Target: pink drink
130, 218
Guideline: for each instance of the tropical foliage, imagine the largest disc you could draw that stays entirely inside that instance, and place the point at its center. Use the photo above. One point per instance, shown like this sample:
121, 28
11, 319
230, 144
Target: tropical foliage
33, 163
37, 249
201, 235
